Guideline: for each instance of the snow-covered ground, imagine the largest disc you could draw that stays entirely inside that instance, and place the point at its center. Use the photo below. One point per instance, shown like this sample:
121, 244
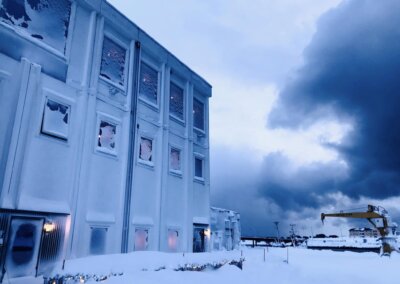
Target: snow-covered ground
304, 267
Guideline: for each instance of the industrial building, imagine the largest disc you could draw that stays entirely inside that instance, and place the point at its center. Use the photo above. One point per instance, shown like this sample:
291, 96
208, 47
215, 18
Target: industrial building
104, 138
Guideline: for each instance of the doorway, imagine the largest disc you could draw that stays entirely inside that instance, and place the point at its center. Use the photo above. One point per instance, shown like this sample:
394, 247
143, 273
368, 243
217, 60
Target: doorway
199, 238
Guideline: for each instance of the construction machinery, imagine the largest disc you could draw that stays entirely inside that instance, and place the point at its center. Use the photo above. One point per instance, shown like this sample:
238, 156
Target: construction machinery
380, 219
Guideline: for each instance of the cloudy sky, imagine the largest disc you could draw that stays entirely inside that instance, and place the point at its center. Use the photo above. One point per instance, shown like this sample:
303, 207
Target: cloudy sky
305, 102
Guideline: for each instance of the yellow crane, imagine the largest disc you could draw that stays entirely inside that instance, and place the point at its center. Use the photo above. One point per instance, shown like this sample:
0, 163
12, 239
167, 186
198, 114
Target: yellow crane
379, 218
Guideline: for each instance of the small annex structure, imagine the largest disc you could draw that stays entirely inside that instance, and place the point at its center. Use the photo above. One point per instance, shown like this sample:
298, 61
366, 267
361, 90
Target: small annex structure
104, 138
225, 229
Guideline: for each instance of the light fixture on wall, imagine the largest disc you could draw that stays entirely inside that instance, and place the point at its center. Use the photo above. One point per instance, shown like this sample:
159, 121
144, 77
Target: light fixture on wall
207, 233
49, 226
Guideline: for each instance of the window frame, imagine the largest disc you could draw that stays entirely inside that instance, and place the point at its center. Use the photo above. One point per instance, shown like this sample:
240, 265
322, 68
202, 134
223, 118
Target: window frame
179, 231
140, 161
202, 158
146, 59
143, 227
91, 227
114, 38
196, 129
65, 55
54, 136
179, 172
101, 116
180, 84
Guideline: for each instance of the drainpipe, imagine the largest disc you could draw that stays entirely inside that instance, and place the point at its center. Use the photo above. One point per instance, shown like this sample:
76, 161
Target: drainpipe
132, 131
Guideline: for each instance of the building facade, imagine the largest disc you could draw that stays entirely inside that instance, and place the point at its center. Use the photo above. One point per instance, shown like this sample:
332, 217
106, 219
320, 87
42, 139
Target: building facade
225, 229
104, 144
363, 233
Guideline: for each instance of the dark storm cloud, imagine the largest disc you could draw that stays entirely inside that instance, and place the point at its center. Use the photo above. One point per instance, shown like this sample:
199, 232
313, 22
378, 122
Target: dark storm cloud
351, 73
293, 188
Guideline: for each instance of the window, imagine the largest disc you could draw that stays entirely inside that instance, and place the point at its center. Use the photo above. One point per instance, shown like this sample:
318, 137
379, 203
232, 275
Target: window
55, 121
198, 167
176, 103
175, 159
173, 240
113, 62
148, 88
146, 149
141, 239
45, 20
98, 240
198, 114
106, 136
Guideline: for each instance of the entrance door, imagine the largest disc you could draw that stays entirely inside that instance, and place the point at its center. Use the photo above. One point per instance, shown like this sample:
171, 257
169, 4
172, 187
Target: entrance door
23, 247
199, 239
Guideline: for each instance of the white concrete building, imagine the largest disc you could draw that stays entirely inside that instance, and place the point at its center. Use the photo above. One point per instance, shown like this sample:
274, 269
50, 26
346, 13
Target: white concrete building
225, 229
104, 138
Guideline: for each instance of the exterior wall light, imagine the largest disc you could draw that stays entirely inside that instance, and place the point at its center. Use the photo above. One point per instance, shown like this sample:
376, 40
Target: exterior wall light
207, 233
49, 227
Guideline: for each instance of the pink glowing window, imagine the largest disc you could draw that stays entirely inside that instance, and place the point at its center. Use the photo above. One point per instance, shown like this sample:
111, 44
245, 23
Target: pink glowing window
141, 239
173, 240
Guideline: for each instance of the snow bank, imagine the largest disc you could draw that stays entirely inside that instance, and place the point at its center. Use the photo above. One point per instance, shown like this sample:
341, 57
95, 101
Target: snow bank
303, 266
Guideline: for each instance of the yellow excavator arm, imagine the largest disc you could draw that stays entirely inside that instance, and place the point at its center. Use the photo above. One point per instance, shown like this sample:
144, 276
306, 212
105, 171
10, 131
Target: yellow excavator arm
373, 212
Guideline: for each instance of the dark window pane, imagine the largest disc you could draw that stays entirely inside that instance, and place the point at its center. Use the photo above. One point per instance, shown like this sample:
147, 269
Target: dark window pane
148, 83
176, 101
198, 114
24, 244
46, 20
198, 167
113, 62
98, 240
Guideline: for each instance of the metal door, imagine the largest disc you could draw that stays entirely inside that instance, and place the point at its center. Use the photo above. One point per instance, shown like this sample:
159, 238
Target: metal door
199, 239
23, 247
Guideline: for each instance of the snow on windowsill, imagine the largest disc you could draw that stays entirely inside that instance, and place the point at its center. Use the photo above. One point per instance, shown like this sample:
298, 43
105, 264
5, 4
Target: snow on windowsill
177, 173
199, 180
148, 103
147, 164
113, 84
99, 217
177, 119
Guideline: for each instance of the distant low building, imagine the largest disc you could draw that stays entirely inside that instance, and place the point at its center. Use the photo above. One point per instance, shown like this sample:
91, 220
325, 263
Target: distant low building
363, 233
225, 229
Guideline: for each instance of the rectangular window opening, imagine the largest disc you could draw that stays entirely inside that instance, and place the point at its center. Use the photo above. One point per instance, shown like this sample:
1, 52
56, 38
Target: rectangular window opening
175, 159
98, 240
173, 240
198, 167
146, 149
141, 239
55, 120
198, 114
44, 20
148, 85
106, 140
113, 62
176, 101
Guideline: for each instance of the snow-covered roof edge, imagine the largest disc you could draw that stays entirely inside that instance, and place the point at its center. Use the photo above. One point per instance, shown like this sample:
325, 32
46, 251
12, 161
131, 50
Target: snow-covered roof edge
223, 210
